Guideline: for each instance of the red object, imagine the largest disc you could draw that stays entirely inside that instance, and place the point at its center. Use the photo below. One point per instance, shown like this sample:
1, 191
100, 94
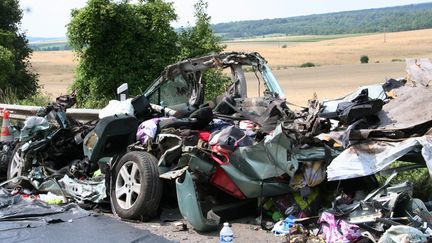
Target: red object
221, 180
5, 114
204, 135
5, 134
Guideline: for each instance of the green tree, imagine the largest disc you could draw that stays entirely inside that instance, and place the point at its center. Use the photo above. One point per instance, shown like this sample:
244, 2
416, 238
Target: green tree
6, 65
14, 53
200, 40
117, 42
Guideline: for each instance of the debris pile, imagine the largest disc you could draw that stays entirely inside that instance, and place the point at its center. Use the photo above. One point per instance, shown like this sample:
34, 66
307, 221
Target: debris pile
308, 174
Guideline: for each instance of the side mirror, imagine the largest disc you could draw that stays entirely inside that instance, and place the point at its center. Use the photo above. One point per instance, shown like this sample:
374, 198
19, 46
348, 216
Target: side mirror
123, 92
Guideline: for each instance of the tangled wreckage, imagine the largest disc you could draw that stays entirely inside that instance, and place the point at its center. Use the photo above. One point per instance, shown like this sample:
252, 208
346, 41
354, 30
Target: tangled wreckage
238, 155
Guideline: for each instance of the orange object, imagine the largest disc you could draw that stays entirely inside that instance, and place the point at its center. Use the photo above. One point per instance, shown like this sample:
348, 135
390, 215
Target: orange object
5, 135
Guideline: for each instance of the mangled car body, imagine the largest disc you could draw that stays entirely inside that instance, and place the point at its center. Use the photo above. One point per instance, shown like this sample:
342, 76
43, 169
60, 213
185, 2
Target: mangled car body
241, 146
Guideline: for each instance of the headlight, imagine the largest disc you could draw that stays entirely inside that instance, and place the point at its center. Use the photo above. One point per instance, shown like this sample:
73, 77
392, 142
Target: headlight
91, 140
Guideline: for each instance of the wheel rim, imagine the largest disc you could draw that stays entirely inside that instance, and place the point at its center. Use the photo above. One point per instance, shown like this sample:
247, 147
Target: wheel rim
16, 166
128, 185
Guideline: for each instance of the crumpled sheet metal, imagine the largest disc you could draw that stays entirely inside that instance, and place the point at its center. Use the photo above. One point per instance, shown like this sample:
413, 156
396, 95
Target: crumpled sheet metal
419, 70
375, 92
371, 157
190, 207
94, 191
270, 158
80, 190
274, 156
409, 108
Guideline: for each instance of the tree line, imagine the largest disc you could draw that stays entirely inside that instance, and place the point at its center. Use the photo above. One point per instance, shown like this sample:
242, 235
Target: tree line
391, 19
62, 47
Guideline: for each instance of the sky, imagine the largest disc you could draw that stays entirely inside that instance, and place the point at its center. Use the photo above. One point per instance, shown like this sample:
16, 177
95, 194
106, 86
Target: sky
48, 18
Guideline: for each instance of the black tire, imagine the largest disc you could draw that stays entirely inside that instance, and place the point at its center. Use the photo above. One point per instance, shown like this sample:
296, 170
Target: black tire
23, 170
142, 203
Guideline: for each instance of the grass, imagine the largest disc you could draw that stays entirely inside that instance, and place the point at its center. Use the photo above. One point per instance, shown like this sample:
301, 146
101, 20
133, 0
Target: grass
8, 97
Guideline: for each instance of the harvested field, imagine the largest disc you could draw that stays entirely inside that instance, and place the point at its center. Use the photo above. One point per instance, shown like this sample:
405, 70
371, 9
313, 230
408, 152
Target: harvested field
348, 50
338, 72
330, 81
55, 69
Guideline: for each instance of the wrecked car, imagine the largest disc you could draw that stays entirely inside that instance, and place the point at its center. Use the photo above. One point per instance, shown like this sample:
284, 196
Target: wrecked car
48, 143
233, 149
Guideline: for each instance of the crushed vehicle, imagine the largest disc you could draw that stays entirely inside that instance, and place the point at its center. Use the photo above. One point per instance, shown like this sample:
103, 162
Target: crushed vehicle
239, 154
49, 141
238, 145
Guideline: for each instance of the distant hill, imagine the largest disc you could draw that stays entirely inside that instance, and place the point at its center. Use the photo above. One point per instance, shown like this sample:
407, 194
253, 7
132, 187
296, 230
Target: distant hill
45, 39
390, 19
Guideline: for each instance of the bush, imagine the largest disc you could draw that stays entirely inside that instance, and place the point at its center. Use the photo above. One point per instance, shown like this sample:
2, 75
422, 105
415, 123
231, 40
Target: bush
364, 59
422, 186
216, 83
120, 42
284, 46
307, 64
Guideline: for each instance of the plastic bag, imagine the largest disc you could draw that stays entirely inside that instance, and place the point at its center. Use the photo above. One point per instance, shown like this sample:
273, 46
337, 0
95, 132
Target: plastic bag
116, 107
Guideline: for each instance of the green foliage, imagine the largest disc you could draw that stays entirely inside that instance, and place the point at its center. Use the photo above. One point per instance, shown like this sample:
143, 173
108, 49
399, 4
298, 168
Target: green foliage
284, 46
364, 59
14, 53
422, 183
8, 96
118, 42
307, 64
199, 40
397, 60
216, 83
401, 18
6, 65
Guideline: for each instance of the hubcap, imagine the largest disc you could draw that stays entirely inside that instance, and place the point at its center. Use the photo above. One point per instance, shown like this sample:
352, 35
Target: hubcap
16, 166
128, 185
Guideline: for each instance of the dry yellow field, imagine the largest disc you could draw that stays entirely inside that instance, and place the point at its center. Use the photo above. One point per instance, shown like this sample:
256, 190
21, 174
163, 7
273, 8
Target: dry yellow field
55, 69
398, 45
339, 70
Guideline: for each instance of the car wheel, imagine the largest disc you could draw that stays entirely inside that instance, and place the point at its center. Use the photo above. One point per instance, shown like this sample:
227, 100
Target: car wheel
17, 166
136, 187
